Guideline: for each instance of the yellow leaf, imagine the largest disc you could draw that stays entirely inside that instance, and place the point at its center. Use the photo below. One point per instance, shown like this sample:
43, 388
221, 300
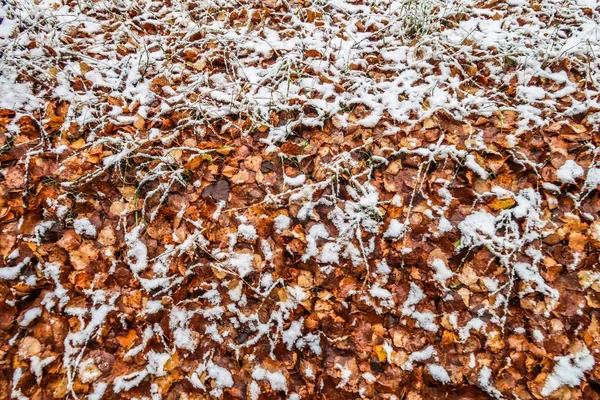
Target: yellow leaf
139, 122
79, 143
225, 150
381, 353
429, 123
127, 340
502, 204
193, 163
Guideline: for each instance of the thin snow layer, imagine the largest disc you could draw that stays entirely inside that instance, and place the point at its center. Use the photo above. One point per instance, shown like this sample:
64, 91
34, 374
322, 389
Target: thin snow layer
569, 370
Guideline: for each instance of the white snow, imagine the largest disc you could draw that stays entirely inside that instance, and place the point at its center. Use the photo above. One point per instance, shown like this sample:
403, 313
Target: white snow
316, 232
395, 230
569, 171
442, 272
30, 315
248, 232
592, 180
276, 379
425, 320
98, 393
137, 254
379, 292
13, 272
475, 324
330, 253
254, 390
415, 295
295, 181
485, 381
38, 364
475, 167
383, 268
569, 370
242, 263
222, 377
421, 355
282, 222
531, 93
345, 375
475, 226
292, 334
438, 373
83, 226
538, 336
7, 26
309, 372
88, 371
530, 273
183, 336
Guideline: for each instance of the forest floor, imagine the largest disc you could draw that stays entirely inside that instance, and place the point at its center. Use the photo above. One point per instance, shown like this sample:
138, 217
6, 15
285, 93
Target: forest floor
300, 199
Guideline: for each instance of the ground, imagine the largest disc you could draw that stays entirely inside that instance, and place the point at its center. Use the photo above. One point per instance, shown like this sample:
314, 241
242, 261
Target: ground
299, 199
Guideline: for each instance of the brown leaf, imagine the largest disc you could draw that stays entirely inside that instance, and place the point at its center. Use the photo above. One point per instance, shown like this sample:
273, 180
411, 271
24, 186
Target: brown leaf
218, 191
